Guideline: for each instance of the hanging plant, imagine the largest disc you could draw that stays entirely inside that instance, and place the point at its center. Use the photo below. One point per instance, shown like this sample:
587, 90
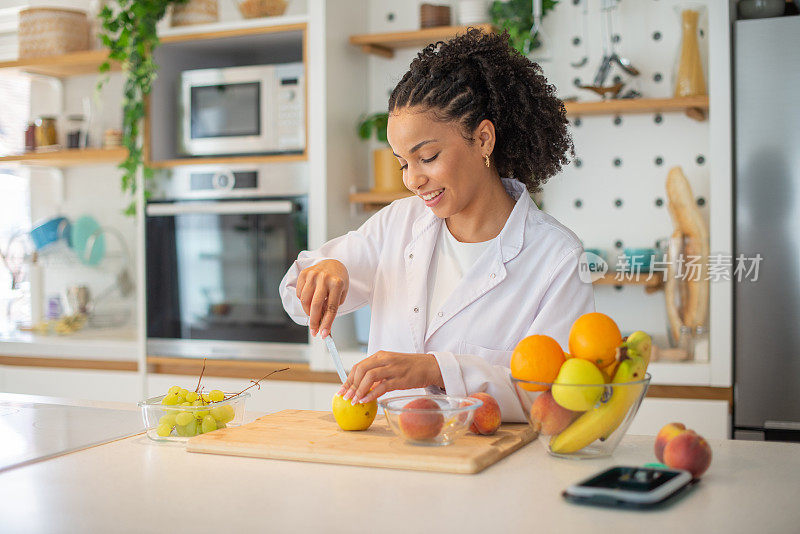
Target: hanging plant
129, 33
516, 16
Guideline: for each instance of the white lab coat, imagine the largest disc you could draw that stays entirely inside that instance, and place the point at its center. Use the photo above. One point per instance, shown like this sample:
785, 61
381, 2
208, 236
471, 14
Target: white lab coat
525, 283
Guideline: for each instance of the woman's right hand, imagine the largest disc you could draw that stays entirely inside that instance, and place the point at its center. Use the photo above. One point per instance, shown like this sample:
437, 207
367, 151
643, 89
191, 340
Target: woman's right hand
321, 289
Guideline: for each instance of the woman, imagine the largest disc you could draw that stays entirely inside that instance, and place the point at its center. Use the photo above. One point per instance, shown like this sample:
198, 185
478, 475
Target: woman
459, 273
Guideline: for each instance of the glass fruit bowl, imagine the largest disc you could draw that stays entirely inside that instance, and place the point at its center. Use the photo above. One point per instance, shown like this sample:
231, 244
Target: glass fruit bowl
580, 421
179, 423
430, 419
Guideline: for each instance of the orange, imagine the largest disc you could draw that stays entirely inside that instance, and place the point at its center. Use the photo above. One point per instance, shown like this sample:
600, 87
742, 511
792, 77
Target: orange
595, 337
609, 371
537, 358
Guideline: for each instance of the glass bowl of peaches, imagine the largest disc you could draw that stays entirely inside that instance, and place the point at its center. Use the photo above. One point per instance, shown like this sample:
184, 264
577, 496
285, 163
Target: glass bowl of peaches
430, 419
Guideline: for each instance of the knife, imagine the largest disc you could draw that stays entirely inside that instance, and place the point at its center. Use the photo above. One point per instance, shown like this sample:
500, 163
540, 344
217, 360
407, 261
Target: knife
337, 361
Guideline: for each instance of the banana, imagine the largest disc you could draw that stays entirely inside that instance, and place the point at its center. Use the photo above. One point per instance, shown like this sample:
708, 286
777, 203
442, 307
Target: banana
641, 343
601, 422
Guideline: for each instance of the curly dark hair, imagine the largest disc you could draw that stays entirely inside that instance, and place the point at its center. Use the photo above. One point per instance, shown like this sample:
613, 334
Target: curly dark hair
477, 76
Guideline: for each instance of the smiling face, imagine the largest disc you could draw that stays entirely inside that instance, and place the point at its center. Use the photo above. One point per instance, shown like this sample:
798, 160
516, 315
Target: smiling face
439, 165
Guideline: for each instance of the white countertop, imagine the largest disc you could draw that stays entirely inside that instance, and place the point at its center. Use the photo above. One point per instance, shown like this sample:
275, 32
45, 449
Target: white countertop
137, 485
90, 343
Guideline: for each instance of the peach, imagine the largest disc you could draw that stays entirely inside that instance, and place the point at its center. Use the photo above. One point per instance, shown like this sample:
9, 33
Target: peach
419, 424
688, 451
664, 436
549, 417
487, 418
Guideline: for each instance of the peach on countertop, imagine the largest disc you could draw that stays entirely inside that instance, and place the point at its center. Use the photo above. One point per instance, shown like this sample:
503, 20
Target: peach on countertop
689, 451
487, 418
549, 417
664, 436
421, 425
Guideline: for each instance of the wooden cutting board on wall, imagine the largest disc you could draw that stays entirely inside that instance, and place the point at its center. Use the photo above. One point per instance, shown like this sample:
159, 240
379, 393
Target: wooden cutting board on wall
310, 436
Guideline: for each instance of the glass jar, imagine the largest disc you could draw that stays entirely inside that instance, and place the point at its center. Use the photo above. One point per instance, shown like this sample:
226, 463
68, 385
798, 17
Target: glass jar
686, 341
30, 137
701, 344
76, 132
46, 135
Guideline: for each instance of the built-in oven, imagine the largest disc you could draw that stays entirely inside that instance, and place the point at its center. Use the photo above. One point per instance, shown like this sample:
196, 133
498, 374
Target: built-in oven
243, 110
219, 240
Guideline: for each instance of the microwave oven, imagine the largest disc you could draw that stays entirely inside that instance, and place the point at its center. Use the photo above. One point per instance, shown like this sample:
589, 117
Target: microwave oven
243, 110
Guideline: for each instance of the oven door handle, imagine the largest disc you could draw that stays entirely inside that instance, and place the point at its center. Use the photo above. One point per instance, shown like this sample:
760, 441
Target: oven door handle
221, 208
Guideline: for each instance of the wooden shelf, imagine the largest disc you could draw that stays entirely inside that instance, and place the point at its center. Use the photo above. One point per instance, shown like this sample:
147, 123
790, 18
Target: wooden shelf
89, 61
69, 157
695, 107
375, 201
239, 29
384, 44
222, 160
72, 64
655, 283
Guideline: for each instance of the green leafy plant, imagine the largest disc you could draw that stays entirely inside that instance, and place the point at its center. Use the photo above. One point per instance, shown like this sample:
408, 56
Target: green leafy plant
129, 33
516, 16
377, 122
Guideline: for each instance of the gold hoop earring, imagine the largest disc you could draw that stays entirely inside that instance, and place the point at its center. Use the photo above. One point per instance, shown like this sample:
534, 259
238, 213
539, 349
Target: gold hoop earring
486, 158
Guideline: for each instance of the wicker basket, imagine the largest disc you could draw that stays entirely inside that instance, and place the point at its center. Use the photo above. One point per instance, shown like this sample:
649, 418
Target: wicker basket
45, 31
251, 9
195, 12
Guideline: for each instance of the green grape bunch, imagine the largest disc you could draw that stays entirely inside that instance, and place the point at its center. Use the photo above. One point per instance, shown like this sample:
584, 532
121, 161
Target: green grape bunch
186, 420
189, 413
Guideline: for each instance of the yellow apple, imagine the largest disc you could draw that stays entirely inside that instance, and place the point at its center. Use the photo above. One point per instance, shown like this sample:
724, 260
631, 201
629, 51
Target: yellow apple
349, 417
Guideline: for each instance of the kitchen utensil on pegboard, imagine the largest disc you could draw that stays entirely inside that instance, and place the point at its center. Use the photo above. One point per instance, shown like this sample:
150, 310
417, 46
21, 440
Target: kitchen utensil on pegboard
610, 57
690, 80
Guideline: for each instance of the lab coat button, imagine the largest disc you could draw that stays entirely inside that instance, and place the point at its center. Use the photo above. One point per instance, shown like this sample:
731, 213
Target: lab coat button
491, 275
440, 314
411, 256
416, 310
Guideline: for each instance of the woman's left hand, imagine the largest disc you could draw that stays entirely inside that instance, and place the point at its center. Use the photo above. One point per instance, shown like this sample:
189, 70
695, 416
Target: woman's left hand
386, 371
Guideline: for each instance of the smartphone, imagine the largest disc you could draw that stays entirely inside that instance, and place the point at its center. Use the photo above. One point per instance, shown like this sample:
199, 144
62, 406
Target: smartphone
630, 487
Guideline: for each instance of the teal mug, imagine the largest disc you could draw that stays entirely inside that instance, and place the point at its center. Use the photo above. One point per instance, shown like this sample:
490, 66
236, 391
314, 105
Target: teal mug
640, 259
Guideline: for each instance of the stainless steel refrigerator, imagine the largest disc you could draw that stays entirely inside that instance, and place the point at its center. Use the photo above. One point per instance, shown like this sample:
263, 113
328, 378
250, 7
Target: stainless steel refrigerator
767, 222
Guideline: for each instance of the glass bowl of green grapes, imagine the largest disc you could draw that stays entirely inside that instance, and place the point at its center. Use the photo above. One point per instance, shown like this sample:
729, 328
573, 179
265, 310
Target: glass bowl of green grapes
181, 414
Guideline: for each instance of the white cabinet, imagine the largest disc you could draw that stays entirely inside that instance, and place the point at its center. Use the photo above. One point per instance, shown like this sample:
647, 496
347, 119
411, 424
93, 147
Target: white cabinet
120, 386
124, 386
322, 395
709, 418
274, 395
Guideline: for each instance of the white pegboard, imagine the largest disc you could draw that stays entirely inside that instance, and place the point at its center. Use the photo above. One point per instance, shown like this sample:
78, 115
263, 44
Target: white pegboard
649, 36
613, 196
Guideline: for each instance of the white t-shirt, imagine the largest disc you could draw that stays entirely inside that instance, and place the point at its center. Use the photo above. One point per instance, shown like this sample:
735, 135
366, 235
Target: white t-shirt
451, 260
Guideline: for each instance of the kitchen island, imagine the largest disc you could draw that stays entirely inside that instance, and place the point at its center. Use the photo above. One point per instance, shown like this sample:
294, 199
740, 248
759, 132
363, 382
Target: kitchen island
137, 485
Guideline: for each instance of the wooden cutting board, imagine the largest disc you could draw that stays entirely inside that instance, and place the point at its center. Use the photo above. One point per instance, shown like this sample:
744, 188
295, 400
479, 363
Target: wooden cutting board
310, 436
